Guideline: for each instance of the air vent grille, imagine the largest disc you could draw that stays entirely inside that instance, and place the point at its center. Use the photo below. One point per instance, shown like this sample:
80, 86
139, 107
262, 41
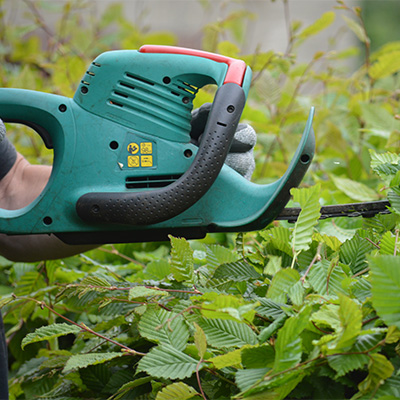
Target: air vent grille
150, 182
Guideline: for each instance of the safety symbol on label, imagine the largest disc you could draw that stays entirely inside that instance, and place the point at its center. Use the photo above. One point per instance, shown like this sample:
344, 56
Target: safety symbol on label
133, 161
146, 148
133, 148
147, 161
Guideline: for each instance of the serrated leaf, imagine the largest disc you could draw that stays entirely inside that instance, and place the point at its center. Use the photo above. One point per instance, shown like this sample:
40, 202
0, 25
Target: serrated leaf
273, 266
386, 65
226, 333
181, 260
269, 308
200, 340
79, 361
50, 332
124, 389
379, 369
167, 362
310, 212
385, 279
164, 327
320, 24
288, 347
217, 255
142, 291
245, 378
258, 357
331, 241
326, 278
350, 316
227, 360
379, 159
177, 390
355, 190
353, 252
237, 271
281, 284
387, 244
279, 237
345, 363
394, 199
296, 293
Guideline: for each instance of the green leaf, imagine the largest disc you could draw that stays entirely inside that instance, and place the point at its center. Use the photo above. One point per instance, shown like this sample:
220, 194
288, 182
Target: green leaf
387, 244
288, 345
167, 362
177, 390
379, 369
246, 378
200, 340
226, 333
181, 260
50, 332
236, 271
269, 308
142, 291
385, 279
233, 358
281, 284
345, 363
355, 190
273, 266
357, 29
258, 357
350, 316
79, 361
320, 24
353, 252
310, 212
279, 237
387, 64
164, 327
326, 278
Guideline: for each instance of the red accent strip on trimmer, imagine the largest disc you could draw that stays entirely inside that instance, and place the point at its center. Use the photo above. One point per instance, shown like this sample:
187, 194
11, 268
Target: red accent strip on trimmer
236, 68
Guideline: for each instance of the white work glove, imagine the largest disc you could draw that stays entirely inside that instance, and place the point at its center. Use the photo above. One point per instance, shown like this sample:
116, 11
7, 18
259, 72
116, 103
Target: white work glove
240, 156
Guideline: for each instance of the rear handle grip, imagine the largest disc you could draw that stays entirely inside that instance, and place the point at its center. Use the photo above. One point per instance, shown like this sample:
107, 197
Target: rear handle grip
150, 207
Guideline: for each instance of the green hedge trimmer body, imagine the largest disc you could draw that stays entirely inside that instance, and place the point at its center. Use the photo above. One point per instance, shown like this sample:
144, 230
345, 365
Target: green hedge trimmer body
125, 169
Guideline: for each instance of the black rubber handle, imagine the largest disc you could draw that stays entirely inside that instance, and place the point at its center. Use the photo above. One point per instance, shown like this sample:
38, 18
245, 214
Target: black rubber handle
150, 207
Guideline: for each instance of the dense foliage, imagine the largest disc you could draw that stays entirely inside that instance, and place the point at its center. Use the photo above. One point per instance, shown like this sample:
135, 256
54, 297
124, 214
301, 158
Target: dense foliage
309, 310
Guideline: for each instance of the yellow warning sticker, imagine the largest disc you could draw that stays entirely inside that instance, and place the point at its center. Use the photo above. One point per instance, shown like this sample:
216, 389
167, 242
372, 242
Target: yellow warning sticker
133, 148
146, 161
133, 161
146, 148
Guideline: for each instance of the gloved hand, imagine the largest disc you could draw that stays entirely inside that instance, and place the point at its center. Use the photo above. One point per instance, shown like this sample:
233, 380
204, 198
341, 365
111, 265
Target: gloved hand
240, 156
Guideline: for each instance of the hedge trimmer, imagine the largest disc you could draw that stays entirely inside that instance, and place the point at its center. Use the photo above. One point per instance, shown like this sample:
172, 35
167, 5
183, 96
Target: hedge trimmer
126, 168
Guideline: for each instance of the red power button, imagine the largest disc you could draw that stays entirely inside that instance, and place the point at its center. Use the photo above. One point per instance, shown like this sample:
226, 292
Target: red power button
236, 68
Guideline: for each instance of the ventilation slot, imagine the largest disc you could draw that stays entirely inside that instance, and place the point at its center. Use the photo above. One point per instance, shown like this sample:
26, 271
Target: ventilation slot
150, 182
138, 78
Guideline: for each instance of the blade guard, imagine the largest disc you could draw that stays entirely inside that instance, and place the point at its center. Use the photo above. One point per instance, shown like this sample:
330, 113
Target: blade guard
87, 199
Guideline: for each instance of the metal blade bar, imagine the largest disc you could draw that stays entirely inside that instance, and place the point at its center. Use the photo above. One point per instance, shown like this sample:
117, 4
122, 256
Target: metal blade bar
366, 209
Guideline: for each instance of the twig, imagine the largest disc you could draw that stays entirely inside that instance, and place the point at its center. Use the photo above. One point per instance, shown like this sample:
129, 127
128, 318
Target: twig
361, 272
316, 258
198, 379
127, 349
395, 243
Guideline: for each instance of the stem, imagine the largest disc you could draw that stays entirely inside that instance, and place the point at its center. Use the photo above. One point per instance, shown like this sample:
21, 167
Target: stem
198, 379
42, 305
395, 242
361, 272
316, 258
